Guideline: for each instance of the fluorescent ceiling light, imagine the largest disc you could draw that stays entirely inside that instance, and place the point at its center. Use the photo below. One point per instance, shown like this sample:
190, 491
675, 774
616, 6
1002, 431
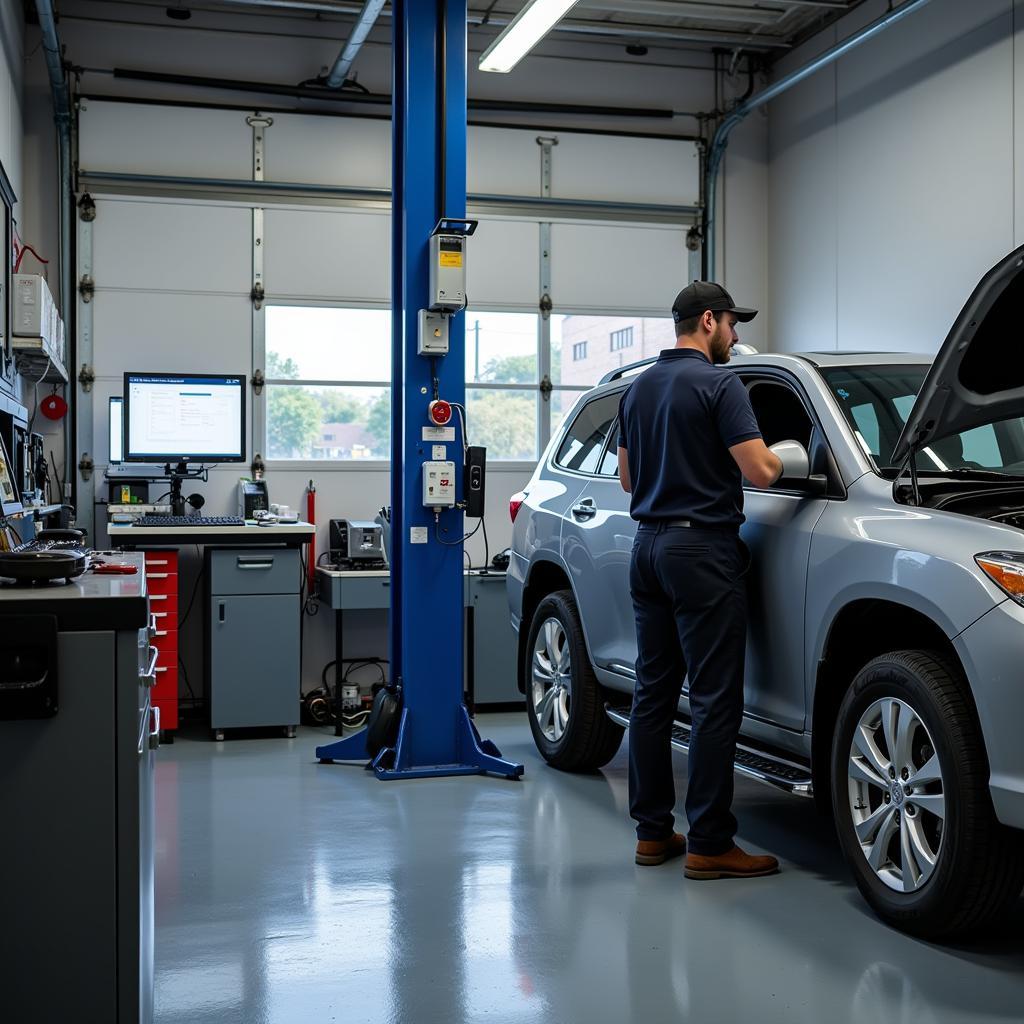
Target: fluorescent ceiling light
531, 24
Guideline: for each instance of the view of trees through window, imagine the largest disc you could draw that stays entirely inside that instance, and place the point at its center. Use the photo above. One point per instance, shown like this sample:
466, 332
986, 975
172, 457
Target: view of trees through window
501, 350
328, 373
315, 418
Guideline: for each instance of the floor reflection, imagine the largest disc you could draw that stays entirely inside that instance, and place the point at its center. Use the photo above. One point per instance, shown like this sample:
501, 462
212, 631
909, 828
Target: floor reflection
290, 891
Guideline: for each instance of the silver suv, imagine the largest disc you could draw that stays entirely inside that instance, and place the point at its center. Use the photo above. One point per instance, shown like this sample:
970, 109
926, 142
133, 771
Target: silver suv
885, 652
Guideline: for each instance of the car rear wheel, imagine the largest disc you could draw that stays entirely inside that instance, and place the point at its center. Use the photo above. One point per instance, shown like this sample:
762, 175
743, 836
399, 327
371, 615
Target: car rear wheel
911, 801
564, 700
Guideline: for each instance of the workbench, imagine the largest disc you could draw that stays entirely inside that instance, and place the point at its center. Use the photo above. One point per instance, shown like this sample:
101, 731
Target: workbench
491, 647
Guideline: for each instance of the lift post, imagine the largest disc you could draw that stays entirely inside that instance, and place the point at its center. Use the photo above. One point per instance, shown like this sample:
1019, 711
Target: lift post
436, 735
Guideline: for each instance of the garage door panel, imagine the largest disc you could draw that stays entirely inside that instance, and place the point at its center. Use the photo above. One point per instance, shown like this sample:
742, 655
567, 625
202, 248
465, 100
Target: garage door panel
166, 332
132, 138
336, 254
153, 245
328, 151
503, 264
616, 267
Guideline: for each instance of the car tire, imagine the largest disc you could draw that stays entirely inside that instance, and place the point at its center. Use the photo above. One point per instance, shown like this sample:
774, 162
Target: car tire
564, 700
929, 856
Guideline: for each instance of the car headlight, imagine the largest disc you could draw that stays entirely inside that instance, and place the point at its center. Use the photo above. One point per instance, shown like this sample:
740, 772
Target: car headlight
1006, 570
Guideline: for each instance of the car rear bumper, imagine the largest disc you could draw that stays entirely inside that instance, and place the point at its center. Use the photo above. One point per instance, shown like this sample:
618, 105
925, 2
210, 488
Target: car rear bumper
990, 651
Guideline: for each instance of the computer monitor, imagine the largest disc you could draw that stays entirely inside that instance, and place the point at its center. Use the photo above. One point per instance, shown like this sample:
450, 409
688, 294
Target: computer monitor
184, 417
116, 421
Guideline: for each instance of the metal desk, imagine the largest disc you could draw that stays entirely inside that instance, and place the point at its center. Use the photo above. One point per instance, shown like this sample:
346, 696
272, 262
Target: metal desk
490, 642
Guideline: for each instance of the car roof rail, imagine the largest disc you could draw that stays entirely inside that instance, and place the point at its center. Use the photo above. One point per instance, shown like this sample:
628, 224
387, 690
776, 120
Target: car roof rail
621, 371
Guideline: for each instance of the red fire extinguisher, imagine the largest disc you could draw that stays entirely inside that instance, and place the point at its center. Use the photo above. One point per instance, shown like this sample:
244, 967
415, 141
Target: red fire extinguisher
311, 518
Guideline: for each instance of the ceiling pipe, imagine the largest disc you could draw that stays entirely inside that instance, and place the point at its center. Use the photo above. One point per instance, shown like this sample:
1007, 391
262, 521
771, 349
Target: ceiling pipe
367, 19
735, 117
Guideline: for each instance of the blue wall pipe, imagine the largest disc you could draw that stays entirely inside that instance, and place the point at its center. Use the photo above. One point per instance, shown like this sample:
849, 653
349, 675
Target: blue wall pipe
737, 116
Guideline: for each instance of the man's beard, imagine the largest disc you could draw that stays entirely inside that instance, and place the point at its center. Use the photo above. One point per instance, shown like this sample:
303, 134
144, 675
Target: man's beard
721, 349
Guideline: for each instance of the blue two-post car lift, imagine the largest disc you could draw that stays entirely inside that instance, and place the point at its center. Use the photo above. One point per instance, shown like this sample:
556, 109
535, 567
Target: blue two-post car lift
436, 736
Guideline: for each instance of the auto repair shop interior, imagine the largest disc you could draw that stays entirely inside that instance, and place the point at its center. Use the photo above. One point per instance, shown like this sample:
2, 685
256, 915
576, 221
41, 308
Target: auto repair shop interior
317, 644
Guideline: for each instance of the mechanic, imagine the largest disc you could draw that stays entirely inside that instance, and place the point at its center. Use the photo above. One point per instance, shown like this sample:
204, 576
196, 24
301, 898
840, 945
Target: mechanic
686, 433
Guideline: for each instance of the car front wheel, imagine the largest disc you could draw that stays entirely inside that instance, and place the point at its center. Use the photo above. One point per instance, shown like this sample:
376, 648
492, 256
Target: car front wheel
911, 801
564, 700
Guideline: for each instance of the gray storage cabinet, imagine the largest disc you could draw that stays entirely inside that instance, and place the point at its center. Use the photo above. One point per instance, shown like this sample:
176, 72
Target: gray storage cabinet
252, 637
494, 644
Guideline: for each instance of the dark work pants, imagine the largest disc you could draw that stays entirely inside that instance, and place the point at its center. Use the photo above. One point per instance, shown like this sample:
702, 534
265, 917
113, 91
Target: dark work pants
689, 597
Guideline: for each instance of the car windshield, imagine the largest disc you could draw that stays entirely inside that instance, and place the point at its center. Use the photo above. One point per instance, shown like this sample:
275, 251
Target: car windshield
877, 400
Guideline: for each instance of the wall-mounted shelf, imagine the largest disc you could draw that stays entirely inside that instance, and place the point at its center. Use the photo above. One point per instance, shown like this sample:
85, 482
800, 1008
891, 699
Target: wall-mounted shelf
36, 360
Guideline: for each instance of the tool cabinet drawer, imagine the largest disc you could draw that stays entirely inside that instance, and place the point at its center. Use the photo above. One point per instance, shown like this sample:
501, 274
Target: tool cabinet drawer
254, 571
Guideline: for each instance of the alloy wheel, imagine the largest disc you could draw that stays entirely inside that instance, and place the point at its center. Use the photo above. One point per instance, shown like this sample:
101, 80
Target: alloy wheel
551, 679
897, 794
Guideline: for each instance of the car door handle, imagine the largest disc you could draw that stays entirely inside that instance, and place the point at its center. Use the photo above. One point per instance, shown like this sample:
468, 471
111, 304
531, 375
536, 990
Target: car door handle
585, 509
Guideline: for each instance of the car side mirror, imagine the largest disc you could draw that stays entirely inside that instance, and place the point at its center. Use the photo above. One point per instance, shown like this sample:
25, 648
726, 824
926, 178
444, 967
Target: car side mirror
796, 463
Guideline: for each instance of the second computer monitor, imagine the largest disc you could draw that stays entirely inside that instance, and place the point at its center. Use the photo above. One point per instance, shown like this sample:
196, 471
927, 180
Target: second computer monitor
184, 417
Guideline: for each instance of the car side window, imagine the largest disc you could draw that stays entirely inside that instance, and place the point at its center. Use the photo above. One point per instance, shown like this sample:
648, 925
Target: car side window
583, 447
779, 411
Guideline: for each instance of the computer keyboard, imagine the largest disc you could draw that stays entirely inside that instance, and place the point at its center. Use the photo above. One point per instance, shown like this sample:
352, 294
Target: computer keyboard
189, 521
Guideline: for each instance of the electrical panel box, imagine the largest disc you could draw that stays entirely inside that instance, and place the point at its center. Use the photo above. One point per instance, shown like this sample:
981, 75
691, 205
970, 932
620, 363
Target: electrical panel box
433, 334
447, 272
35, 313
439, 484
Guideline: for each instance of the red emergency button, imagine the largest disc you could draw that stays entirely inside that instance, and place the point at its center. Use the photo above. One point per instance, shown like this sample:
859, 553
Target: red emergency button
440, 412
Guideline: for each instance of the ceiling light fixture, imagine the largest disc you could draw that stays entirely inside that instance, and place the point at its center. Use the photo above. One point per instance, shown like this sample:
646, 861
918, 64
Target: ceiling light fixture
527, 29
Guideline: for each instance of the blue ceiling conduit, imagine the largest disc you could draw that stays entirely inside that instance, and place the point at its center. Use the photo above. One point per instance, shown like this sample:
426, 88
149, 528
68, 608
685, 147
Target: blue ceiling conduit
364, 23
737, 116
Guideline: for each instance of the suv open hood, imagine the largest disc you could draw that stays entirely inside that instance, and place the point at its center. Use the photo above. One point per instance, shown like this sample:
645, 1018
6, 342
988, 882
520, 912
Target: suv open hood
978, 374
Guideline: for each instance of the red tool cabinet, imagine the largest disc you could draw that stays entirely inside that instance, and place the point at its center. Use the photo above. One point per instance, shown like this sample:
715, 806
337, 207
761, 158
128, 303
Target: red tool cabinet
162, 585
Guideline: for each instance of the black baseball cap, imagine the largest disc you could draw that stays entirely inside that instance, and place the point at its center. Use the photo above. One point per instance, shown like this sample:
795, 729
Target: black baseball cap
701, 295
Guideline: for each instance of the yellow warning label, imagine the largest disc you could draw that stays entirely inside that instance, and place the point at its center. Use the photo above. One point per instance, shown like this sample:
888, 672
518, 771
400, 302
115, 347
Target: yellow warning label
450, 259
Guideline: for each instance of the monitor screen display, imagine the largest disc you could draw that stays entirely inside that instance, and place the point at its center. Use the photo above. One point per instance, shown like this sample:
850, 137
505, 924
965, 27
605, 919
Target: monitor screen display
184, 416
116, 448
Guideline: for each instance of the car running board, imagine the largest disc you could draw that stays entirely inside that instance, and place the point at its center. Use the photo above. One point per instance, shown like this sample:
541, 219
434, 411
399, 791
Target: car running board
754, 764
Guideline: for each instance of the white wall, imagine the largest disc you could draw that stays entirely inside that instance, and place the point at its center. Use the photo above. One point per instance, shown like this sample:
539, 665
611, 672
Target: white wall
892, 183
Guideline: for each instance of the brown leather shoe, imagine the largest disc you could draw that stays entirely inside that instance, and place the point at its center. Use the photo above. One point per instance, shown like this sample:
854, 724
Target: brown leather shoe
657, 851
734, 864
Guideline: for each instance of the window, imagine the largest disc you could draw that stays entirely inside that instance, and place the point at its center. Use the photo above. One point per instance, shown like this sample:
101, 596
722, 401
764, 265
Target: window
584, 443
877, 402
779, 412
328, 383
579, 351
621, 339
501, 383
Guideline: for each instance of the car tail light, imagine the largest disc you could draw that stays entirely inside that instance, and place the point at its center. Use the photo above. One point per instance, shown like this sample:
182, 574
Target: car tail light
515, 503
1006, 570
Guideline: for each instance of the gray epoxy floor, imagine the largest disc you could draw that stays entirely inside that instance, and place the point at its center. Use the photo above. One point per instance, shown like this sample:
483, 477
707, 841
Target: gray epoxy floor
289, 891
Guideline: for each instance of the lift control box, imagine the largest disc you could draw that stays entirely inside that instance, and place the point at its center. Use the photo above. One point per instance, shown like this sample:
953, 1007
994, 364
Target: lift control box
447, 272
439, 484
432, 339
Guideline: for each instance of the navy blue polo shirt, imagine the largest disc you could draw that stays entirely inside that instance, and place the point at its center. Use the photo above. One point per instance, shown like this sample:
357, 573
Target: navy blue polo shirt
677, 422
